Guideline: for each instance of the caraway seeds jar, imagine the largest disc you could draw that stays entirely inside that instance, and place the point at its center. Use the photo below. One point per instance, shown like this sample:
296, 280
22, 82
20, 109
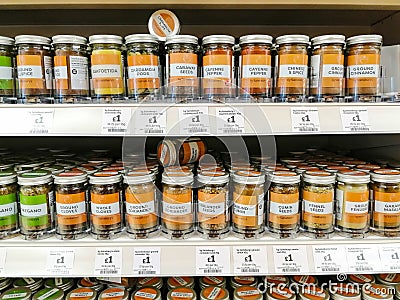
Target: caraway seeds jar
8, 204
7, 64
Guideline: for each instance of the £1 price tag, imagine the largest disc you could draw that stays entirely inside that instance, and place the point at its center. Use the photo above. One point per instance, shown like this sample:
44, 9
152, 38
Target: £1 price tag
291, 259
250, 260
213, 261
230, 120
108, 261
60, 262
390, 257
150, 120
329, 259
355, 119
147, 261
115, 120
194, 120
305, 119
363, 258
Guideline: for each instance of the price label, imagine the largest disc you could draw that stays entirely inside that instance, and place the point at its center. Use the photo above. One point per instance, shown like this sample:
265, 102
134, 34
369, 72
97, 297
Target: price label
290, 259
230, 121
150, 120
108, 261
390, 257
213, 261
3, 255
40, 120
305, 119
363, 258
147, 261
115, 120
355, 119
250, 260
29, 120
60, 262
194, 120
329, 259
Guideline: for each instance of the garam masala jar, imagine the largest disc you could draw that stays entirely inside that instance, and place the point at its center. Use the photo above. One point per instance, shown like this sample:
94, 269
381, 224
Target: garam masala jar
7, 63
291, 70
363, 67
8, 204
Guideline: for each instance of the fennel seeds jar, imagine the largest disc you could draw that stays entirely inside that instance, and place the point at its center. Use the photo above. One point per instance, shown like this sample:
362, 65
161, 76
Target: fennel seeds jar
8, 204
7, 61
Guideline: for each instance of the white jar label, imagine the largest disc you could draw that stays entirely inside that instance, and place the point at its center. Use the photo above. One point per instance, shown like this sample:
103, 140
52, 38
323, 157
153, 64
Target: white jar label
8, 209
244, 210
79, 72
387, 207
293, 71
112, 295
144, 71
48, 294
145, 295
37, 210
256, 71
6, 73
138, 209
212, 209
13, 296
332, 71
318, 208
356, 207
29, 72
106, 71
182, 295
71, 209
363, 71
82, 294
182, 70
315, 72
48, 65
288, 209
177, 209
217, 71
60, 72
194, 152
248, 293
105, 209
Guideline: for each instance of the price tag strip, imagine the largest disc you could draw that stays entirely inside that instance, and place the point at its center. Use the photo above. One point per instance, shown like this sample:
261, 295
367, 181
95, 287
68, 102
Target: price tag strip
363, 258
390, 257
26, 120
108, 261
60, 262
194, 120
115, 120
291, 259
150, 120
230, 121
147, 261
355, 119
305, 119
213, 260
250, 260
330, 259
3, 255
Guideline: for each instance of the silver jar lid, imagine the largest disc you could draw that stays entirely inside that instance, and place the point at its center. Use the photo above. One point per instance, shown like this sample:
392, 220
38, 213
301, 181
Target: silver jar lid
4, 40
82, 292
34, 177
293, 39
319, 177
147, 292
7, 177
182, 39
105, 178
256, 39
139, 177
284, 177
70, 177
351, 176
177, 178
365, 39
116, 293
32, 39
386, 175
376, 291
49, 294
17, 293
69, 39
214, 292
248, 177
105, 39
211, 177
218, 39
328, 39
141, 38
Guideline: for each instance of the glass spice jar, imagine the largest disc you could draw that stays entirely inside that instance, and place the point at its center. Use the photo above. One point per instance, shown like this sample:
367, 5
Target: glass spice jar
182, 293
212, 281
114, 293
255, 67
34, 68
8, 204
181, 73
248, 204
141, 205
155, 282
49, 294
72, 220
7, 61
327, 68
146, 292
107, 68
247, 293
82, 293
385, 202
175, 282
36, 204
376, 291
144, 71
238, 281
291, 70
363, 67
213, 205
177, 205
280, 293
218, 68
352, 203
71, 69
283, 217
214, 293
106, 205
178, 152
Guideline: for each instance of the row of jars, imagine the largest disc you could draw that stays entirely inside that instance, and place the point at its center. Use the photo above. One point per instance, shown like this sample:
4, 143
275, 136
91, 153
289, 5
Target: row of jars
224, 64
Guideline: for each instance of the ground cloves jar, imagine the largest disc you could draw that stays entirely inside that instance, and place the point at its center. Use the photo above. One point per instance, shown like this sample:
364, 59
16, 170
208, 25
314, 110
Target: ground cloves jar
8, 204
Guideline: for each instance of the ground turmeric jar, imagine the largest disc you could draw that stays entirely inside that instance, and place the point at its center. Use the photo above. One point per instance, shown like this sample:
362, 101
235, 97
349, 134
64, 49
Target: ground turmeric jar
291, 70
327, 68
177, 210
255, 67
363, 67
385, 216
218, 68
248, 204
283, 204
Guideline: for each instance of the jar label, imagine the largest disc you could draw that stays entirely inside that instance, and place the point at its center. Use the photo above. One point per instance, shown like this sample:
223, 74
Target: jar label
363, 70
248, 210
248, 293
143, 208
113, 295
352, 209
192, 151
78, 73
143, 72
48, 294
144, 295
15, 296
71, 208
105, 209
106, 71
163, 24
217, 71
256, 72
293, 71
284, 208
33, 210
332, 71
356, 207
5, 73
214, 293
48, 66
177, 209
182, 295
298, 64
318, 207
29, 71
213, 206
182, 69
140, 208
8, 210
81, 294
387, 207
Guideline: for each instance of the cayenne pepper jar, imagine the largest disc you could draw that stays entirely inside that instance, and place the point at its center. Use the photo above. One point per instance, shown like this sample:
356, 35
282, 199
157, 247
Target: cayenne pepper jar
7, 61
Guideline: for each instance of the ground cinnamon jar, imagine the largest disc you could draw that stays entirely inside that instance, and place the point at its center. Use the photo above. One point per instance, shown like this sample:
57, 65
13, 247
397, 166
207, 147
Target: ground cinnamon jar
363, 67
327, 68
291, 72
255, 67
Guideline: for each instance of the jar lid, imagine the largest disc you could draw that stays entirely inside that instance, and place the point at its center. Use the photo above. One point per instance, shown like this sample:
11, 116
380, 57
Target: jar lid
70, 177
150, 281
276, 280
115, 293
247, 293
177, 178
249, 177
328, 39
361, 278
17, 293
211, 177
4, 40
32, 39
164, 23
214, 292
174, 282
182, 39
280, 293
243, 280
284, 177
62, 283
181, 293
351, 176
374, 291
105, 39
304, 279
141, 38
365, 39
69, 39
218, 39
104, 178
346, 291
138, 177
388, 279
314, 293
386, 175
256, 38
213, 280
293, 39
146, 293
7, 177
319, 177
83, 293
34, 177
49, 294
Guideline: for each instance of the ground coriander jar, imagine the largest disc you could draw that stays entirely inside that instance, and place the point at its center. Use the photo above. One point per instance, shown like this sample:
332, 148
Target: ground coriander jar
8, 204
114, 293
255, 67
34, 68
363, 67
49, 294
144, 71
36, 204
247, 293
218, 68
175, 282
72, 219
17, 293
385, 202
182, 293
291, 70
327, 68
145, 293
107, 68
82, 293
248, 212
106, 205
7, 62
181, 73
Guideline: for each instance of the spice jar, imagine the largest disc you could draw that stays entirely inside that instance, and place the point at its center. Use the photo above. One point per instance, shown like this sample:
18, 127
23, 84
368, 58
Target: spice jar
178, 152
177, 205
146, 293
18, 293
214, 293
213, 205
376, 291
90, 283
34, 68
72, 220
141, 213
82, 293
280, 293
361, 279
363, 67
304, 280
7, 54
212, 281
8, 204
144, 71
106, 205
34, 284
352, 203
181, 74
238, 281
385, 203
218, 68
345, 291
313, 293
36, 204
388, 279
327, 68
247, 293
283, 204
318, 191
155, 282
107, 68
64, 284
182, 293
49, 294
175, 282
248, 204
276, 280
255, 67
114, 293
291, 70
